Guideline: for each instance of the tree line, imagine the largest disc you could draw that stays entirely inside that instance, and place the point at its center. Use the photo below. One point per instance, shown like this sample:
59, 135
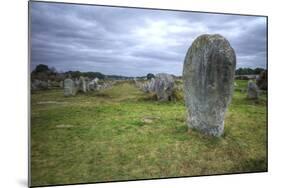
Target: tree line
43, 72
248, 71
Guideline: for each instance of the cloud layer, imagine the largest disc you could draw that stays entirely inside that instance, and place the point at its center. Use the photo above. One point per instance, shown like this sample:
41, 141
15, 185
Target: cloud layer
134, 42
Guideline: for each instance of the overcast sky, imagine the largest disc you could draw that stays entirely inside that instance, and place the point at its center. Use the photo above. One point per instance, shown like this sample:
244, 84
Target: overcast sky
134, 42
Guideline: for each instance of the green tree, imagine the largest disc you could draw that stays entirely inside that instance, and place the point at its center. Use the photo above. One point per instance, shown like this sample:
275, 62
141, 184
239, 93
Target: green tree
41, 68
149, 76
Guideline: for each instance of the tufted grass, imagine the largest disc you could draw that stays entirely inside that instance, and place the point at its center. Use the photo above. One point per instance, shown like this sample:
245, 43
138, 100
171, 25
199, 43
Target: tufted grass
123, 134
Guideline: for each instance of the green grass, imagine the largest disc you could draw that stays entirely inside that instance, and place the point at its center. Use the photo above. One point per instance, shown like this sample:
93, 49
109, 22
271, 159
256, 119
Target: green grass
122, 133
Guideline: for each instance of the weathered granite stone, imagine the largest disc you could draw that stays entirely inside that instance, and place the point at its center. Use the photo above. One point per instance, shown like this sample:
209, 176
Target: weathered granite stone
69, 87
92, 85
253, 90
145, 87
164, 86
87, 80
208, 76
82, 84
76, 83
151, 86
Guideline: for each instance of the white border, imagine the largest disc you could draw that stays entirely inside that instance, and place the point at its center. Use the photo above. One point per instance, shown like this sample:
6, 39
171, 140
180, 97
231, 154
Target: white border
13, 95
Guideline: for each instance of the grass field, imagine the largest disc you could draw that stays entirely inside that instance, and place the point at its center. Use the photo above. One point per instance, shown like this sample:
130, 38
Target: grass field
122, 133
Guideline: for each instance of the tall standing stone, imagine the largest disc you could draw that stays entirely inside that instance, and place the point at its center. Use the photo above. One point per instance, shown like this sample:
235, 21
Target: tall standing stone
69, 87
208, 76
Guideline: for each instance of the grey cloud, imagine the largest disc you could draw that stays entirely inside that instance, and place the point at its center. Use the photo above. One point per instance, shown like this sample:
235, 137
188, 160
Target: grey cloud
134, 42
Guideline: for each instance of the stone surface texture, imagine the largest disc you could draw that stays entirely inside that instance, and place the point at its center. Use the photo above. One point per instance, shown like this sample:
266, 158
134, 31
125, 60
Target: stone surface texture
208, 76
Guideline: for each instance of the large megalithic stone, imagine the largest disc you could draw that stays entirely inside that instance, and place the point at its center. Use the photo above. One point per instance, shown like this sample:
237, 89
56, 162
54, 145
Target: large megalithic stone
208, 75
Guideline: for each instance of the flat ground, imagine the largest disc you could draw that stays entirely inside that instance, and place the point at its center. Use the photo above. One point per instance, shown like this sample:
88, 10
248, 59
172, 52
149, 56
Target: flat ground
122, 133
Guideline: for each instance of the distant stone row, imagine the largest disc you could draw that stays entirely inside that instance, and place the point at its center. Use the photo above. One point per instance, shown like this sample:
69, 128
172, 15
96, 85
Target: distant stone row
162, 85
71, 87
41, 84
208, 83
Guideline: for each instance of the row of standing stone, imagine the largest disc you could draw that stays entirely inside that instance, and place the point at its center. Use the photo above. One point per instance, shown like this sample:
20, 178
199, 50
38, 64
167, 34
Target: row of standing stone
72, 87
42, 85
162, 85
208, 78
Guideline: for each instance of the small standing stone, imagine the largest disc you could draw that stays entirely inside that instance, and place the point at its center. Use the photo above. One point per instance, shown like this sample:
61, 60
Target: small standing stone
87, 80
152, 85
163, 86
253, 90
208, 76
69, 87
82, 84
93, 84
